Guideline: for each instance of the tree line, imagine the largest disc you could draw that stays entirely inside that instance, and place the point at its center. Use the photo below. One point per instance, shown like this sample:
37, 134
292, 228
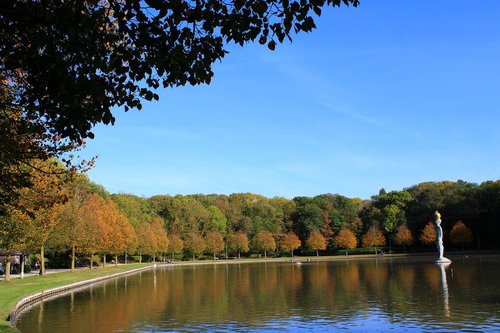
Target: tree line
64, 212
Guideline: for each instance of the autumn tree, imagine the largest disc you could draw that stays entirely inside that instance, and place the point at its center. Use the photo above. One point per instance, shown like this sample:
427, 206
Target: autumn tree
130, 238
214, 242
175, 244
161, 238
238, 242
373, 238
72, 232
264, 241
346, 239
316, 241
42, 202
14, 228
195, 244
146, 239
460, 234
428, 235
403, 237
290, 242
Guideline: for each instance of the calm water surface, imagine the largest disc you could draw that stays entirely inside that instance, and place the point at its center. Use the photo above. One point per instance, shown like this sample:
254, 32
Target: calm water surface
399, 295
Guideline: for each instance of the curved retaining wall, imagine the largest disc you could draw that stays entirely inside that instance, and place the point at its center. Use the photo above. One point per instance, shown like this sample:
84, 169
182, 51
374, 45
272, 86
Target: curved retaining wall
31, 300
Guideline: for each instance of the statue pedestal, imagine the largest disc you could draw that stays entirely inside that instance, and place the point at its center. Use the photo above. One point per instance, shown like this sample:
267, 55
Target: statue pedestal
443, 260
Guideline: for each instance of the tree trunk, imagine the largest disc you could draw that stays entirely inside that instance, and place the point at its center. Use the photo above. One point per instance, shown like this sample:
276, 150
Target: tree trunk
239, 255
22, 266
214, 256
7, 268
126, 257
265, 254
42, 261
104, 261
140, 258
116, 260
72, 258
292, 253
317, 253
91, 261
172, 257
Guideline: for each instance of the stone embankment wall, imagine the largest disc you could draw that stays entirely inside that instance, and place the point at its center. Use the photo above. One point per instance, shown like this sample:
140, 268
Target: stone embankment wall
31, 300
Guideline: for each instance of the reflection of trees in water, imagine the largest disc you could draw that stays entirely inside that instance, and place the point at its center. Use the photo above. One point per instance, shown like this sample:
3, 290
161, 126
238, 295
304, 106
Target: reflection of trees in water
253, 294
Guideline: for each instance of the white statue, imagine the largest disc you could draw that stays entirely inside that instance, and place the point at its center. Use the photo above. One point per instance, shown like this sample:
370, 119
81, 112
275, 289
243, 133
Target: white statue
439, 239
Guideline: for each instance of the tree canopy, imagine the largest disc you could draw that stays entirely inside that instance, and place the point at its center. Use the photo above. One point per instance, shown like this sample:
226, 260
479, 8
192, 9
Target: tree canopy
78, 59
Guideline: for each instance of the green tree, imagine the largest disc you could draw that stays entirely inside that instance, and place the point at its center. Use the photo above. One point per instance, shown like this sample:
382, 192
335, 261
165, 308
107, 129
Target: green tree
185, 214
217, 219
392, 206
308, 216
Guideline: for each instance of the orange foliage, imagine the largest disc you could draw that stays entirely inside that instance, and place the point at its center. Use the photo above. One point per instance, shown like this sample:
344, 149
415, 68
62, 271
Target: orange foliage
238, 242
373, 238
290, 242
195, 244
264, 241
214, 242
403, 236
346, 239
460, 234
428, 235
316, 241
176, 244
160, 235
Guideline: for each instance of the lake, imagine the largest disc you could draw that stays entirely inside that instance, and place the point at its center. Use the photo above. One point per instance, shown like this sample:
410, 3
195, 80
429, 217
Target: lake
411, 294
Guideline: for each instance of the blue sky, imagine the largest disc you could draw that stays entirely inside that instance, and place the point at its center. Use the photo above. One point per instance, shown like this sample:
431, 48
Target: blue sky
386, 95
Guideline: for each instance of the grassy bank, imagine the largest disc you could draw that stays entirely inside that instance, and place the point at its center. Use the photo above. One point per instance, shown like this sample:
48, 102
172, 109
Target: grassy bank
15, 290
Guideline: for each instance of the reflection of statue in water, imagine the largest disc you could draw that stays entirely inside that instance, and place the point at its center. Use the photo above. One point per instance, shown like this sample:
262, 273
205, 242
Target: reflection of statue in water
444, 288
439, 239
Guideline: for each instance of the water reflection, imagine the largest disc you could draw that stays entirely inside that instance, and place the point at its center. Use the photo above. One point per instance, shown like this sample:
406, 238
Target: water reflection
444, 288
374, 294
